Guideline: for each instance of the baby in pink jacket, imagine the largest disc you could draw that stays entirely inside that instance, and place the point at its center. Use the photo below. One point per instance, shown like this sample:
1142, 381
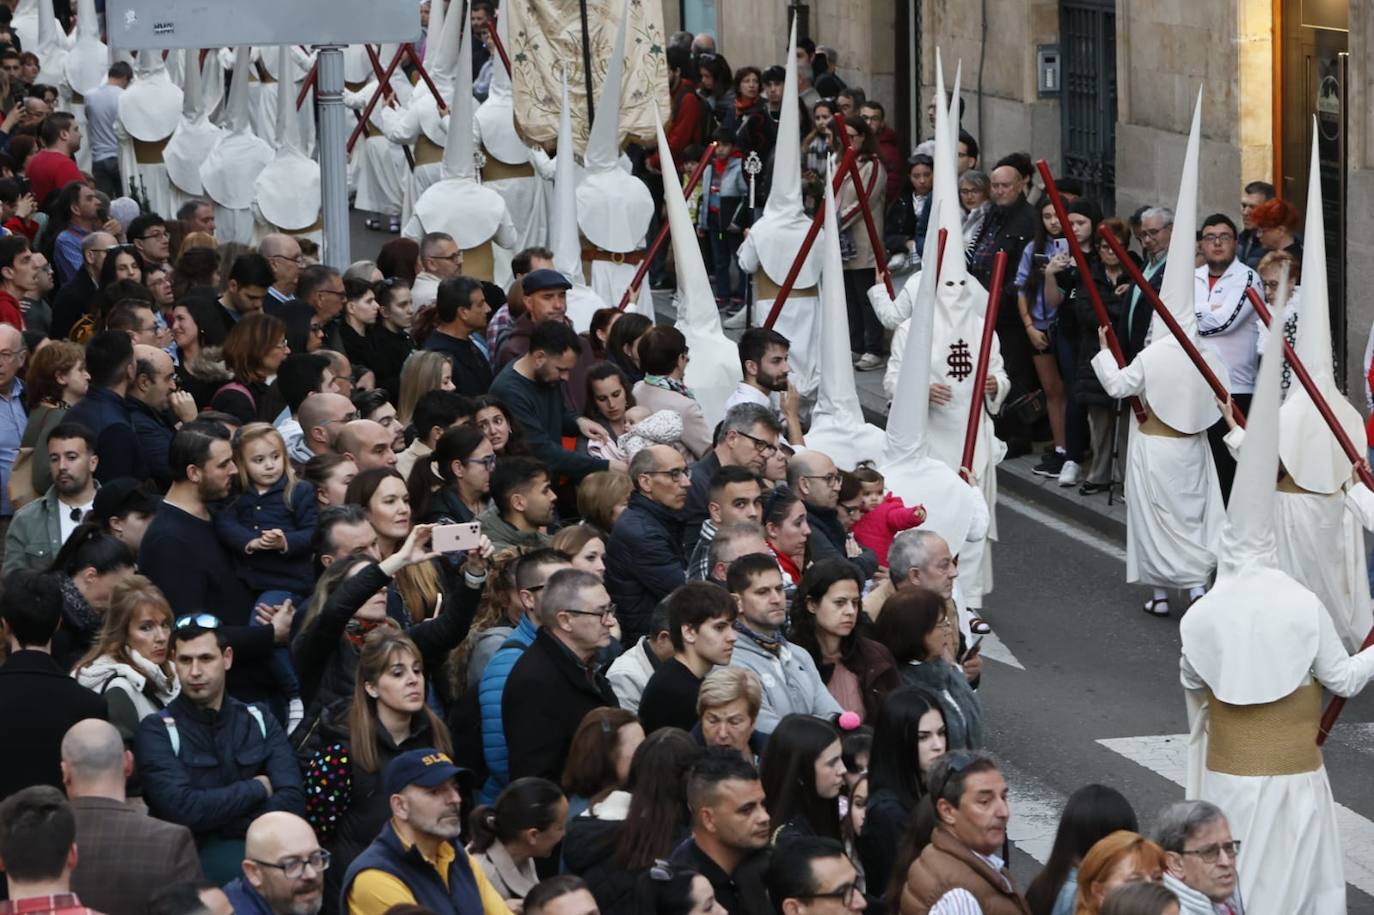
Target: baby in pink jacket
883, 515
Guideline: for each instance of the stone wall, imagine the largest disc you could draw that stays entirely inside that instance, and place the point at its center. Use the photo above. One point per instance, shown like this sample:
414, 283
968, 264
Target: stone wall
1359, 221
1008, 115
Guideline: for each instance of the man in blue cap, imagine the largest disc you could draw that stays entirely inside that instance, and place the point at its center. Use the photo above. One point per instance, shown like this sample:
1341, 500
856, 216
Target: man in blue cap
416, 860
545, 294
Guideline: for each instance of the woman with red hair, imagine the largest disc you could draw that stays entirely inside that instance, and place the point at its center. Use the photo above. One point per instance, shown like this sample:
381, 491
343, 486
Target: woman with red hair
1276, 224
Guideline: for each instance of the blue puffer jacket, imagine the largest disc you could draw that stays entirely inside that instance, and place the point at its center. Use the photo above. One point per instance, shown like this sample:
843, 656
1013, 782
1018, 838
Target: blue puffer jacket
489, 692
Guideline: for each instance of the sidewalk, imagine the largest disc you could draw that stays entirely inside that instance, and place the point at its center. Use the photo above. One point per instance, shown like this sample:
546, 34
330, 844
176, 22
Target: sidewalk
1013, 476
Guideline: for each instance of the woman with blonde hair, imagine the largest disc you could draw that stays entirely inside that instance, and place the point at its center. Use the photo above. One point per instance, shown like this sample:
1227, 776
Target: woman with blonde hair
385, 716
586, 544
498, 613
1116, 859
129, 663
602, 496
424, 371
56, 379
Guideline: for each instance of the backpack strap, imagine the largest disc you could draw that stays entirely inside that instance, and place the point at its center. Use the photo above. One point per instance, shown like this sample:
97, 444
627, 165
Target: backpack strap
242, 389
257, 716
171, 724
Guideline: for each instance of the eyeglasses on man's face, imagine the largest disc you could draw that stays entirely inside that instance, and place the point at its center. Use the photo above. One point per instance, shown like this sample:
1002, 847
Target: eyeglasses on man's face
676, 474
294, 868
1211, 853
767, 449
607, 613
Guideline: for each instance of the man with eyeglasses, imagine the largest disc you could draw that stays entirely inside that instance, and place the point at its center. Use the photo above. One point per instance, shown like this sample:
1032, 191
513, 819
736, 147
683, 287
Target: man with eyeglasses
148, 234
961, 871
556, 682
494, 656
440, 259
816, 481
209, 761
1156, 231
1226, 319
747, 437
284, 254
78, 291
283, 868
322, 417
312, 316
126, 855
814, 876
1200, 859
644, 558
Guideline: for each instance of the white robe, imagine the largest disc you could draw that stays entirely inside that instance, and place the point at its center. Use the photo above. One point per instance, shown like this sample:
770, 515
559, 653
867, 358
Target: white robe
1291, 860
151, 179
799, 322
1321, 545
1174, 510
381, 176
948, 423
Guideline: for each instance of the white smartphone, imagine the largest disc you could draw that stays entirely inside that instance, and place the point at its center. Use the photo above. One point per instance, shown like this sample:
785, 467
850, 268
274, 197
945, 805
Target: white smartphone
451, 538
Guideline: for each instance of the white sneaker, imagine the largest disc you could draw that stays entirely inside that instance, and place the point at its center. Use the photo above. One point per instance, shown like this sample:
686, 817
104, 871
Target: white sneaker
1070, 474
736, 320
868, 362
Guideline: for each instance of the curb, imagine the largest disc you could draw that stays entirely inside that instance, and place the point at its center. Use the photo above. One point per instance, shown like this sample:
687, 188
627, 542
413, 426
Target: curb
1047, 495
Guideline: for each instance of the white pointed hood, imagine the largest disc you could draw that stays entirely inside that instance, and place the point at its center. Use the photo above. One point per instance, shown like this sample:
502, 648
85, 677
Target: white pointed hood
195, 135
713, 367
1174, 389
457, 204
838, 427
437, 19
1306, 446
614, 208
287, 191
150, 108
451, 38
50, 46
89, 60
779, 232
460, 148
957, 294
567, 249
907, 466
1254, 635
231, 170
563, 238
496, 117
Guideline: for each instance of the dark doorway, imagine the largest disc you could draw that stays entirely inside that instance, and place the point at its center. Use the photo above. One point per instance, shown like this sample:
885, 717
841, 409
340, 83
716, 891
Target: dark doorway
1087, 44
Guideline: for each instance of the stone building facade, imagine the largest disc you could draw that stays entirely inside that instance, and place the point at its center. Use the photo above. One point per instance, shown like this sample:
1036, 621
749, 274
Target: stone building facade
1261, 64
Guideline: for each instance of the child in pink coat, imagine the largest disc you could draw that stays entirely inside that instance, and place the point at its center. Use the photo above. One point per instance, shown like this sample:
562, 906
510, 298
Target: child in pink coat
884, 515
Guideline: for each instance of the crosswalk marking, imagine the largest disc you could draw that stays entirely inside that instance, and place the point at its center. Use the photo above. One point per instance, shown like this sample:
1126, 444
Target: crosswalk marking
1059, 525
994, 649
1167, 755
1035, 812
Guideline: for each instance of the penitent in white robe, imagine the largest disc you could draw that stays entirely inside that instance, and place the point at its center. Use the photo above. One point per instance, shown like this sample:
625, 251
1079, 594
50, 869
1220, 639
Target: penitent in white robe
1321, 545
1291, 860
1174, 510
948, 424
799, 322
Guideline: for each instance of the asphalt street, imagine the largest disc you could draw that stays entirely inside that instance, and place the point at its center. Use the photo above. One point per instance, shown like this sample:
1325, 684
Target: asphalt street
1094, 694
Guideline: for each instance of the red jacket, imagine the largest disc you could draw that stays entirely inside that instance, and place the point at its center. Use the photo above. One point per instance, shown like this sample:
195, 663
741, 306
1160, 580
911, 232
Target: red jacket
877, 528
10, 312
686, 126
890, 154
50, 170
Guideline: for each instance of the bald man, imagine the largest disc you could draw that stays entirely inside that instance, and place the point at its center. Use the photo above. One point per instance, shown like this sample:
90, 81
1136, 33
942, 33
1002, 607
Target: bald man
322, 418
283, 868
156, 408
13, 416
367, 444
284, 254
126, 855
815, 479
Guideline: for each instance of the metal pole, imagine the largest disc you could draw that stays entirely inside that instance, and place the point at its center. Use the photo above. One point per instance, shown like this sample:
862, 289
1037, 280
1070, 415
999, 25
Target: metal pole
333, 157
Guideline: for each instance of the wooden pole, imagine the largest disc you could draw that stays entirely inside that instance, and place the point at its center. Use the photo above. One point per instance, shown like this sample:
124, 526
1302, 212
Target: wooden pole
1189, 348
376, 97
874, 239
1085, 278
662, 237
495, 38
980, 374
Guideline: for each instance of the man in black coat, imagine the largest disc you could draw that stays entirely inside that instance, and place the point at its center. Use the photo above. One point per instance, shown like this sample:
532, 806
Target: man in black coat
555, 683
644, 559
461, 312
30, 610
816, 481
